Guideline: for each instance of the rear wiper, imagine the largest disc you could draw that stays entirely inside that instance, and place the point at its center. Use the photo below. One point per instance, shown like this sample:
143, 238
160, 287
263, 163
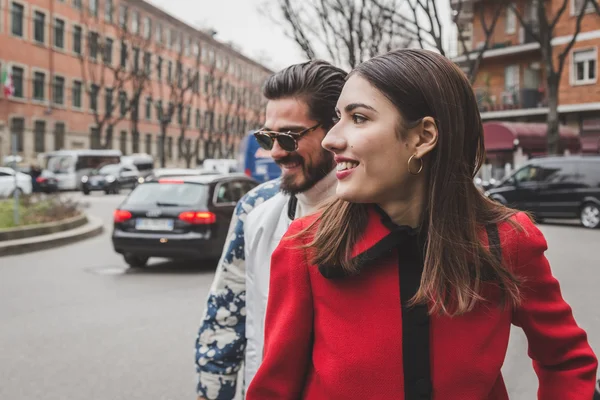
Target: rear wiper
160, 204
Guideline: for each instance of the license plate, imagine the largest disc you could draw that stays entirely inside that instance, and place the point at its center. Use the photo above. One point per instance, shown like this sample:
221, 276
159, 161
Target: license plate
147, 224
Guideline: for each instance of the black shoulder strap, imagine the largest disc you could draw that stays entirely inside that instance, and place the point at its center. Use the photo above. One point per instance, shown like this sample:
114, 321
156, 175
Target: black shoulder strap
415, 330
292, 203
494, 241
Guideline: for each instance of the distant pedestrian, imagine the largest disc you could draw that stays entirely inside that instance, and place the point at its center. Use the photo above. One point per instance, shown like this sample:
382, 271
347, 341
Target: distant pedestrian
406, 285
35, 172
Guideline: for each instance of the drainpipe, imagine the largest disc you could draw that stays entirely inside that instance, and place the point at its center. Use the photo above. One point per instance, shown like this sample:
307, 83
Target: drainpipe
51, 60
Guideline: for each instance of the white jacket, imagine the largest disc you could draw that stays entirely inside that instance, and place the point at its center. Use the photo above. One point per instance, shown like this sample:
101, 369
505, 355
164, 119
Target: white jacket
264, 228
232, 327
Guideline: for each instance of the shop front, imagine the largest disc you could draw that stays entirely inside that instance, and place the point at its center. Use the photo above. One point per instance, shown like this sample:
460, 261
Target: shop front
590, 136
510, 144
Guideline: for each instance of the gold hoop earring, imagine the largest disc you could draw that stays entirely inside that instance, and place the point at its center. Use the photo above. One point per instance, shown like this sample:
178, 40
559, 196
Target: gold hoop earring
420, 166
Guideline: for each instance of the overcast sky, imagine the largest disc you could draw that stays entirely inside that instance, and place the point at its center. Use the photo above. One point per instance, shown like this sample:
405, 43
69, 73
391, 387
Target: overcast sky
238, 21
241, 22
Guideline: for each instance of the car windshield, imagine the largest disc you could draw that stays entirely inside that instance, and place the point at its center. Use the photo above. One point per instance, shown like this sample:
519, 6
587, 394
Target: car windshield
169, 194
112, 169
60, 164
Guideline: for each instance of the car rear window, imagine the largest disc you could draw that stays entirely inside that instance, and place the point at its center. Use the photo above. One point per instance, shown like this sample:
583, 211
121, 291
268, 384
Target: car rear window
174, 194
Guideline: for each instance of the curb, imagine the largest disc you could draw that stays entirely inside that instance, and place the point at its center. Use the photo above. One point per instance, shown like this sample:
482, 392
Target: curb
94, 227
43, 229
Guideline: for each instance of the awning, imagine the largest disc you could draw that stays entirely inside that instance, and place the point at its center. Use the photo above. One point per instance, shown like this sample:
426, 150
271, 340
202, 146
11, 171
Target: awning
531, 137
590, 142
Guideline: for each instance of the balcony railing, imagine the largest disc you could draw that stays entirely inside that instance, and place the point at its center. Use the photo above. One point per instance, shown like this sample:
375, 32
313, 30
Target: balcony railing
511, 99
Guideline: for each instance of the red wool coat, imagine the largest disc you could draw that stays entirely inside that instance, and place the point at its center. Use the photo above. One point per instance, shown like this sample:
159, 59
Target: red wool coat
341, 339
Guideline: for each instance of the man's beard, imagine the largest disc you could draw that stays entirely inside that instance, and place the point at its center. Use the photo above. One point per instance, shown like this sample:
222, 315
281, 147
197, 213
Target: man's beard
311, 173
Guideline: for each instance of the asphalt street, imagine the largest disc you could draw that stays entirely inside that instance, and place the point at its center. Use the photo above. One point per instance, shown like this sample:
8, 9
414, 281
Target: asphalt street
76, 324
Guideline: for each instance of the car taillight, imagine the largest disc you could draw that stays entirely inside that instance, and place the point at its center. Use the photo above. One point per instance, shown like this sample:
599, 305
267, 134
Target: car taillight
40, 179
248, 172
121, 216
198, 217
167, 180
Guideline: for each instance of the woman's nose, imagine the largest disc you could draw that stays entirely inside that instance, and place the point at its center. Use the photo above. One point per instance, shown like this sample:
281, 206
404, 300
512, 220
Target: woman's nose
334, 141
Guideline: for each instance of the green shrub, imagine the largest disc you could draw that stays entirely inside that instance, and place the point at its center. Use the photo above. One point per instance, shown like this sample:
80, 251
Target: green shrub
38, 209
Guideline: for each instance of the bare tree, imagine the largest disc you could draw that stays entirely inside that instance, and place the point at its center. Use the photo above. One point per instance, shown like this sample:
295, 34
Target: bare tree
425, 23
347, 32
233, 108
543, 30
175, 100
102, 73
214, 88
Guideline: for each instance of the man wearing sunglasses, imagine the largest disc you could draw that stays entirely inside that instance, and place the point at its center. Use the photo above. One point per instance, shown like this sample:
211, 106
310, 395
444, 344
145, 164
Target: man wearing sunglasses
300, 111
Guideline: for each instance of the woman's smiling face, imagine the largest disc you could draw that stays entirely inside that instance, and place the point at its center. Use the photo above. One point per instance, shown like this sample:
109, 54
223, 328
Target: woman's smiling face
371, 155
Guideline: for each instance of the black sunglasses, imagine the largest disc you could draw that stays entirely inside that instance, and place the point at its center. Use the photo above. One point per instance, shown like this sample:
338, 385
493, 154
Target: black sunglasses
288, 141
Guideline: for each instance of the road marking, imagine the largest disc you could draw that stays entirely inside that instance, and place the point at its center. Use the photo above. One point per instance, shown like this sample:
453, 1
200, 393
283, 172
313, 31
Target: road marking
108, 270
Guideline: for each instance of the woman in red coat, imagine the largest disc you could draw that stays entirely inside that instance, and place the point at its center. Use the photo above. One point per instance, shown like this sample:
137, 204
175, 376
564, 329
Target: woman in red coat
406, 285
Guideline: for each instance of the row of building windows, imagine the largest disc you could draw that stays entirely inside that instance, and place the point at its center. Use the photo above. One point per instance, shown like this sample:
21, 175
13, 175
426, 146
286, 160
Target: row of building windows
105, 47
151, 142
17, 128
174, 40
59, 90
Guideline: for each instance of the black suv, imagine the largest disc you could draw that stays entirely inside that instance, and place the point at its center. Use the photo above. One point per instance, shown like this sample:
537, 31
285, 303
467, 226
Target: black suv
184, 217
555, 187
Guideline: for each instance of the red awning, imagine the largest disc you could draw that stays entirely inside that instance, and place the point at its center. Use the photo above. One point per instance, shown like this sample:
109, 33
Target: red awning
590, 142
531, 137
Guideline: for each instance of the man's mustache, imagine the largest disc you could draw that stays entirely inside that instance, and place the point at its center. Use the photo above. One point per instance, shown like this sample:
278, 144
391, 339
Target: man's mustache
290, 159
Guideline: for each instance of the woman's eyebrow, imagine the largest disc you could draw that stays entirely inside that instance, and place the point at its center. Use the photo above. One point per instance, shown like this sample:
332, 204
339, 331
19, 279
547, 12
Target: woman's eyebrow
352, 106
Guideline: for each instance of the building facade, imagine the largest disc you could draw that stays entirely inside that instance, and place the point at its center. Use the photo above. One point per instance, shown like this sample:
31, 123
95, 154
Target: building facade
511, 83
120, 74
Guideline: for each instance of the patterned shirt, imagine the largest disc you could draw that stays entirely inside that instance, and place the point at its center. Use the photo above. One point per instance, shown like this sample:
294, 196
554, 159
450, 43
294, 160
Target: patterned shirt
221, 340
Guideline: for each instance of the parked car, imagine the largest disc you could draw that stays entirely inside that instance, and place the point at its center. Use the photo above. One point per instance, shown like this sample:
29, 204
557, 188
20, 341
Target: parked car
41, 180
47, 182
177, 218
142, 161
555, 187
8, 184
110, 178
172, 172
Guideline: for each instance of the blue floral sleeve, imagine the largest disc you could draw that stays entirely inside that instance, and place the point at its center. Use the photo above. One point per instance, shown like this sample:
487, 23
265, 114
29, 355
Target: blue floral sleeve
221, 340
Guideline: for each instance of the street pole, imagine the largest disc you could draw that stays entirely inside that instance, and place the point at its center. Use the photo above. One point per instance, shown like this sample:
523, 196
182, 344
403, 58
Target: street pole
16, 191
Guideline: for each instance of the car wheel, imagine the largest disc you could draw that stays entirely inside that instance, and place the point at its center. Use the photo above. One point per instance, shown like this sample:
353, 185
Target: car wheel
135, 261
116, 189
590, 215
107, 191
86, 192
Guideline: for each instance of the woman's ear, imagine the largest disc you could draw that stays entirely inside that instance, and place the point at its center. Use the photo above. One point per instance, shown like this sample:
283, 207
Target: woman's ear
427, 132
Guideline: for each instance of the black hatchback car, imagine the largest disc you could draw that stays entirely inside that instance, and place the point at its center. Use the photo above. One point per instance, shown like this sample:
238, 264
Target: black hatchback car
555, 187
111, 178
178, 217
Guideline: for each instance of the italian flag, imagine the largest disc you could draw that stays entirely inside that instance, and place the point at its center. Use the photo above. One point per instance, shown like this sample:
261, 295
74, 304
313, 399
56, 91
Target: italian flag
7, 82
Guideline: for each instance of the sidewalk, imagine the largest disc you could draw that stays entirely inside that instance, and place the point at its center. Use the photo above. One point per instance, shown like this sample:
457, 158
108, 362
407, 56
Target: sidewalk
92, 228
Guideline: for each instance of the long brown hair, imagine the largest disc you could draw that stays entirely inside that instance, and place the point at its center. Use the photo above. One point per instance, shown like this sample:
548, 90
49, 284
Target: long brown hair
422, 83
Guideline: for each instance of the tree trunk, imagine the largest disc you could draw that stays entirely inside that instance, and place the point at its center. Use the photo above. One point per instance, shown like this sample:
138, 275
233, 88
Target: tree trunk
109, 137
553, 122
163, 135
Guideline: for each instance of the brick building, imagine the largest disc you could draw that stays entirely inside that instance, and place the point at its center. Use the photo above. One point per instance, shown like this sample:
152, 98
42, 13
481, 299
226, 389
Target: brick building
121, 65
511, 85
